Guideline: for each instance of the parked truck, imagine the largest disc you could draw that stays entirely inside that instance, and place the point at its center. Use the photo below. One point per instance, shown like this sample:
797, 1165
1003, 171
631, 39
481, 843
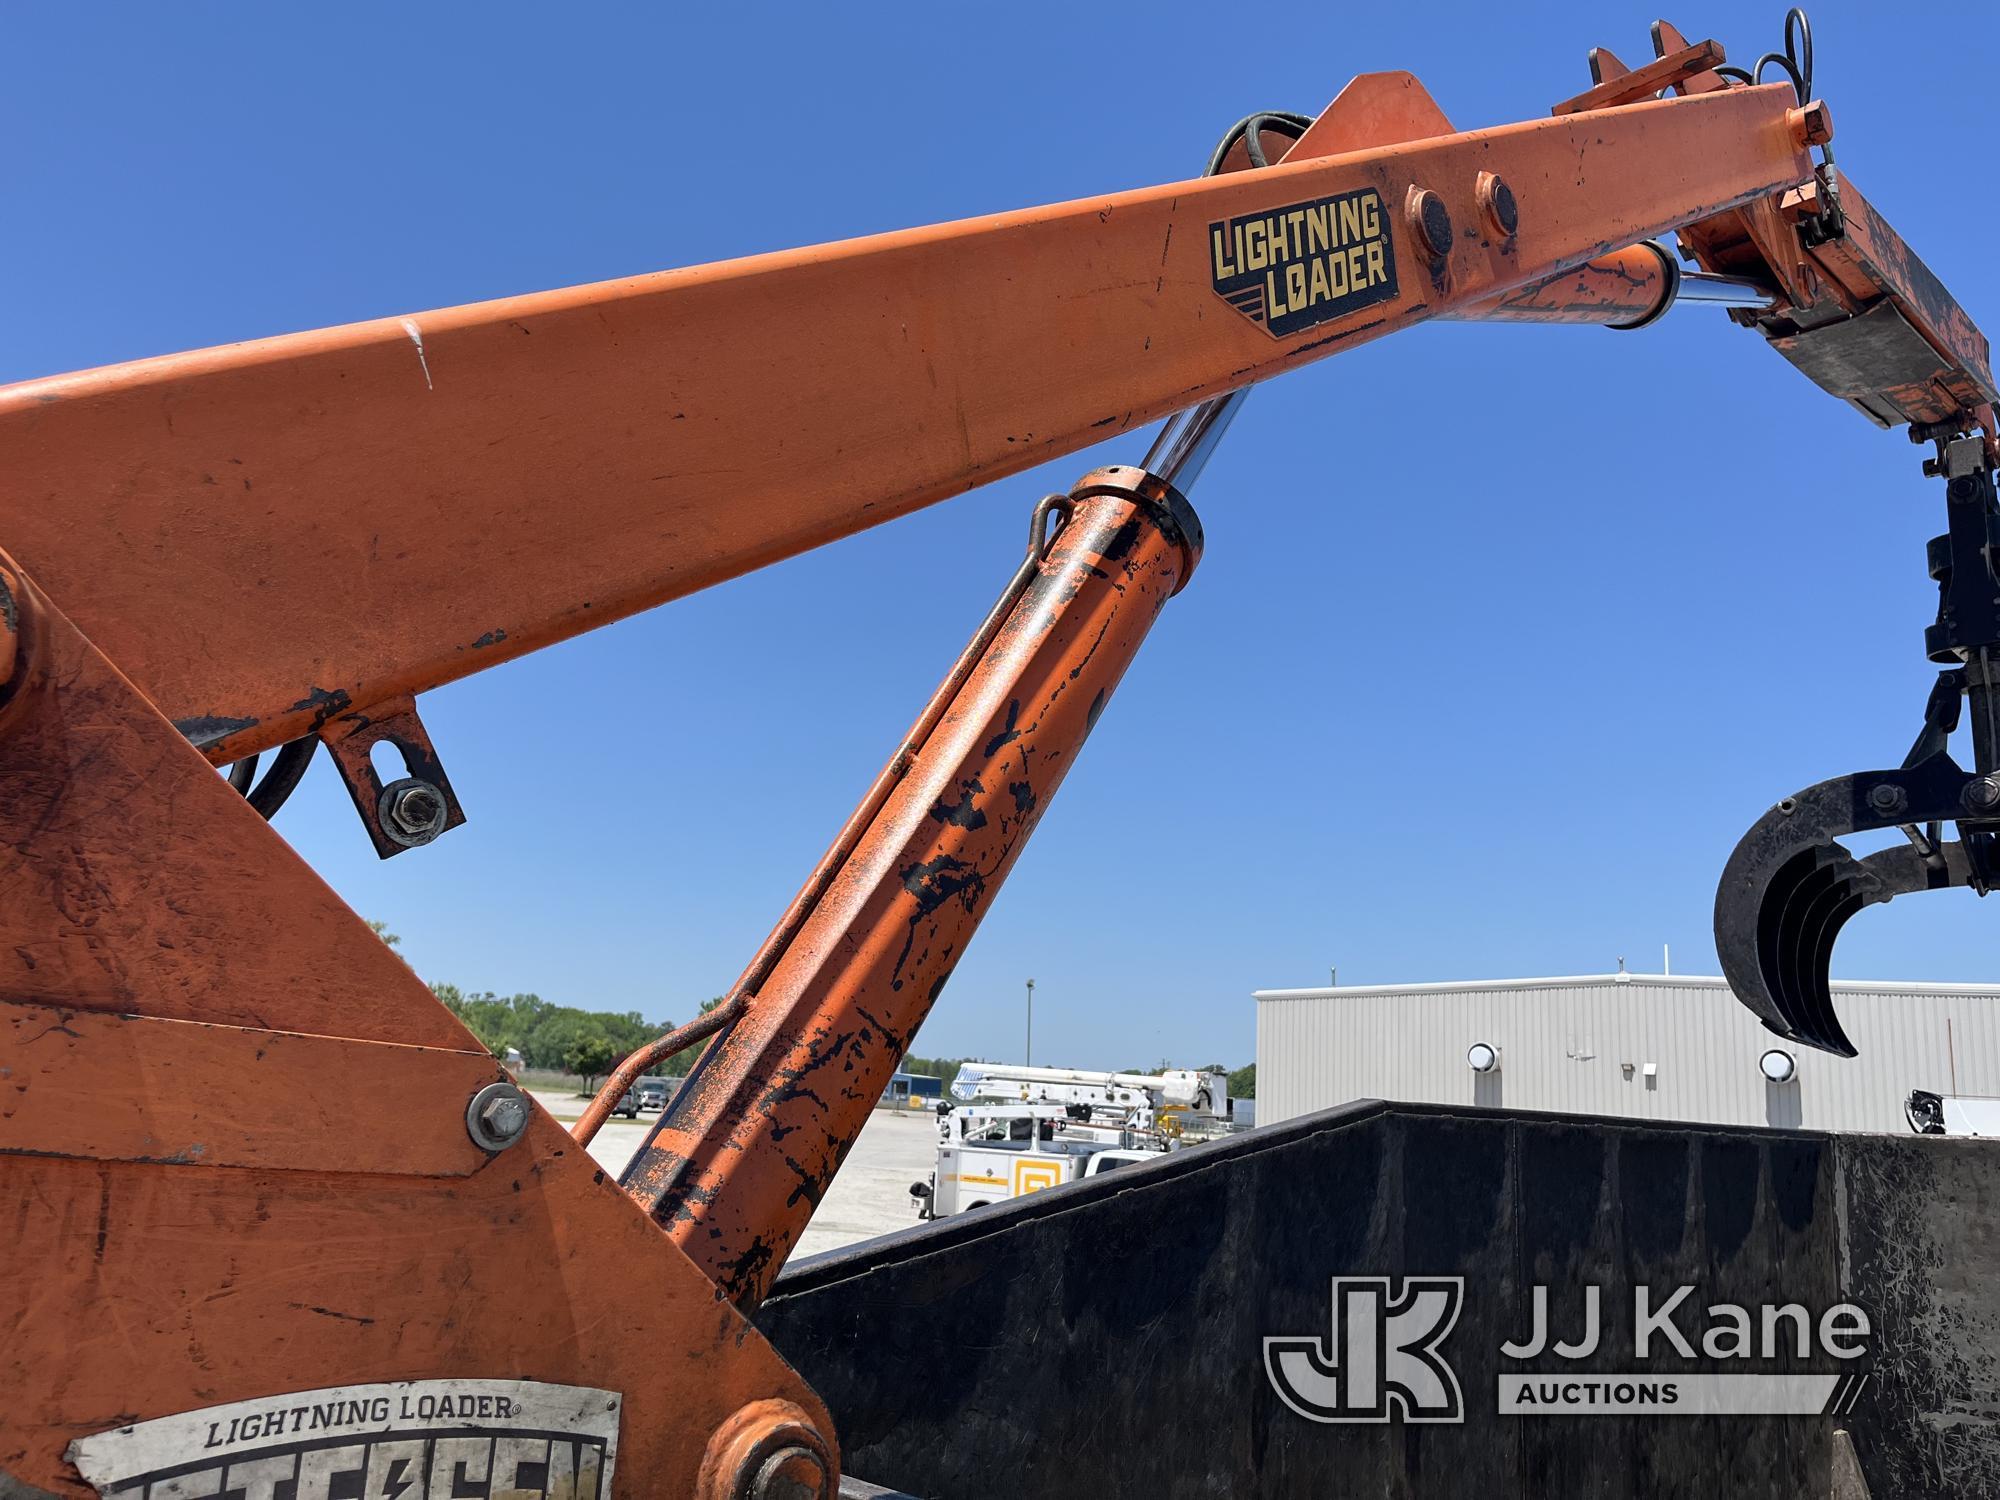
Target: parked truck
255, 1176
1183, 1095
988, 1153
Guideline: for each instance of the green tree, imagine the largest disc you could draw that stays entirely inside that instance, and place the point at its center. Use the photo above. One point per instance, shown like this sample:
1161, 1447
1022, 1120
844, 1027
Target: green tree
544, 1033
945, 1068
1243, 1083
486, 1016
677, 1065
590, 1054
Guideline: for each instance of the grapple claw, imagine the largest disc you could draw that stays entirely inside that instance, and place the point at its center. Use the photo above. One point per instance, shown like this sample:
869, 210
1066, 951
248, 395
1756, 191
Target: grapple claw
1790, 887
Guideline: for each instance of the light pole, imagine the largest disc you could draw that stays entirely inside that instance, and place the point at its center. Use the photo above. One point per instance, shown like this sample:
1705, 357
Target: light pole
1029, 1060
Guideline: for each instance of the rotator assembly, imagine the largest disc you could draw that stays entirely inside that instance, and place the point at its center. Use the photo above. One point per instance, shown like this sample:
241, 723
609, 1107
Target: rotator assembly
1790, 886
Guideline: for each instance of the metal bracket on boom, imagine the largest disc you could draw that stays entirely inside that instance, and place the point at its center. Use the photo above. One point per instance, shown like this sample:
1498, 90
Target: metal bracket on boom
1789, 886
411, 810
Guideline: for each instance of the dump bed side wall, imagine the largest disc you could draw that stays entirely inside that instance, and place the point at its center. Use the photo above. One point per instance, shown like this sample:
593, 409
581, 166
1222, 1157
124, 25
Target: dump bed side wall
1131, 1312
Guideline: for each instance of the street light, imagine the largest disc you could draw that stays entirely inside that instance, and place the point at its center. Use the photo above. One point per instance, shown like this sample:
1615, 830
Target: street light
1029, 1059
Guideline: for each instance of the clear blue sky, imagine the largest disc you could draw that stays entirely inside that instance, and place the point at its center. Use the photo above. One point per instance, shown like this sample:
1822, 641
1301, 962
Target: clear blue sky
1502, 637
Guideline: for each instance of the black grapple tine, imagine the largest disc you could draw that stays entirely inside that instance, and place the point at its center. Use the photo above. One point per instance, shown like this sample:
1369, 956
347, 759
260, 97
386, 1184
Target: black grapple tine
1808, 924
1789, 888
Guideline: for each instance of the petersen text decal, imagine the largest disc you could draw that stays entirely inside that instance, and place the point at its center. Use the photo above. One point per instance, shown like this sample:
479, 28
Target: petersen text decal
410, 1440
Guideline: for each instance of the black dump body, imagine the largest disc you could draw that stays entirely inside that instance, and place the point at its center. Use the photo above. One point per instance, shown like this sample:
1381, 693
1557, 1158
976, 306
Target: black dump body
1107, 1339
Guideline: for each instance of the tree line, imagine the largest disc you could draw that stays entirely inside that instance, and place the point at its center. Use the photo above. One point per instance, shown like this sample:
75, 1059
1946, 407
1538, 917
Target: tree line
590, 1043
560, 1038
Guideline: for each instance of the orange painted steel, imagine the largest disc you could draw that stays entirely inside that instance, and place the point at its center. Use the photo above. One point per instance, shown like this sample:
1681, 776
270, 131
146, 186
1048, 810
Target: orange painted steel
737, 1166
163, 934
189, 1094
268, 534
776, 1442
1867, 267
1623, 85
240, 546
138, 883
1374, 111
1626, 287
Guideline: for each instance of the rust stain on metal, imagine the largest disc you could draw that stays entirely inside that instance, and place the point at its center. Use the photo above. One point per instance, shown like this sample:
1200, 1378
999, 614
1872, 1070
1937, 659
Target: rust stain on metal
735, 1169
527, 487
168, 935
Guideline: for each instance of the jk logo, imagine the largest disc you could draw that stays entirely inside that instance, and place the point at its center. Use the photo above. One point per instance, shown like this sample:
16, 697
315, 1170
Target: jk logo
1383, 1352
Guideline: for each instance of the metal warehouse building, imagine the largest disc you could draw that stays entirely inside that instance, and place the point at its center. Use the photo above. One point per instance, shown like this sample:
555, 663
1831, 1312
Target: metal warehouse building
1654, 1047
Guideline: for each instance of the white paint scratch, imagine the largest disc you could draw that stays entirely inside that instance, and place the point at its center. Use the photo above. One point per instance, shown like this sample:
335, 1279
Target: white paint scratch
417, 337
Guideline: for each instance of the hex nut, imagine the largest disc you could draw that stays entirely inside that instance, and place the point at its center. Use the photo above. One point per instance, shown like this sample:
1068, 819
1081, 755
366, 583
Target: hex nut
505, 1117
497, 1117
413, 812
415, 809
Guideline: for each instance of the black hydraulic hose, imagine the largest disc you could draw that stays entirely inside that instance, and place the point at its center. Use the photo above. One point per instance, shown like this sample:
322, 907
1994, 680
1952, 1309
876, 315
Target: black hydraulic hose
279, 782
1249, 130
243, 773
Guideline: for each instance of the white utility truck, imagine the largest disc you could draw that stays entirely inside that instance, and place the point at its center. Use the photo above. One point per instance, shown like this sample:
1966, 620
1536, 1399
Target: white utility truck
1139, 1100
991, 1152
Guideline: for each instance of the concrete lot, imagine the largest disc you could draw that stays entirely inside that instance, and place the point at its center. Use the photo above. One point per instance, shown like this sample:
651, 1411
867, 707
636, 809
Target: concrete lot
870, 1196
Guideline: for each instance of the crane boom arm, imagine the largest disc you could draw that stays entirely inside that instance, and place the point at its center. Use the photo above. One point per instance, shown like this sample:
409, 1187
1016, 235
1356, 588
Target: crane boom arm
298, 1168
267, 534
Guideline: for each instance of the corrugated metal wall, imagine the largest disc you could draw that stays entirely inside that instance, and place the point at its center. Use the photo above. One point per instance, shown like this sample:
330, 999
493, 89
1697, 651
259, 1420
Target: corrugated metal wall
1582, 1045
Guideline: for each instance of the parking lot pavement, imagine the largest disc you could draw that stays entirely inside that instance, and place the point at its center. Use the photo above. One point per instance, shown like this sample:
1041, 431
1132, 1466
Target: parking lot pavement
869, 1196
616, 1140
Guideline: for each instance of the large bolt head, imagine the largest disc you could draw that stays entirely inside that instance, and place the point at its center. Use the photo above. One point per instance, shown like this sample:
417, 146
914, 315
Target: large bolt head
1887, 800
505, 1117
413, 812
497, 1117
1983, 795
416, 808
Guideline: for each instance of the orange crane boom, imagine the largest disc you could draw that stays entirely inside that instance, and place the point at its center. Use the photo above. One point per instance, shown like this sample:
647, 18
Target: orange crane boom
268, 534
298, 1211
